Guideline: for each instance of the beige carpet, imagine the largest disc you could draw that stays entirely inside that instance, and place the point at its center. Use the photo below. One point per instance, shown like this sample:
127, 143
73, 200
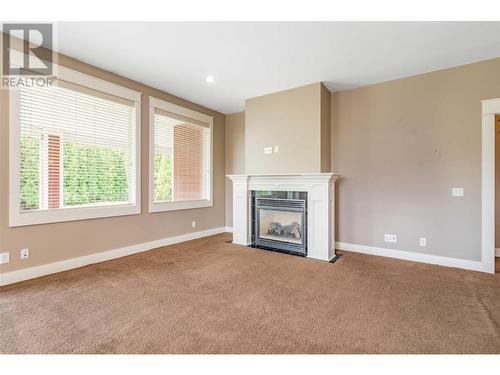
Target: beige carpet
208, 296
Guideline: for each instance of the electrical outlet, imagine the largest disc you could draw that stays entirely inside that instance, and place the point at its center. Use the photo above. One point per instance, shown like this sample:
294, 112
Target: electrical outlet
4, 258
268, 150
276, 149
390, 238
457, 192
25, 253
423, 241
193, 224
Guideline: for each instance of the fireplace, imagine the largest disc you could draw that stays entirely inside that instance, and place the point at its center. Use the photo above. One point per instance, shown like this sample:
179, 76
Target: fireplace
279, 221
315, 190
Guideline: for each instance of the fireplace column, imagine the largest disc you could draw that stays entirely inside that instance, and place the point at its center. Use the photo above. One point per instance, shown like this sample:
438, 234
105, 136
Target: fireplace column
241, 211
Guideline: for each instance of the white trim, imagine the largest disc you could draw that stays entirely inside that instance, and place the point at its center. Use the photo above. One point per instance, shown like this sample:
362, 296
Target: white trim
179, 205
415, 257
47, 269
97, 84
228, 229
14, 159
497, 252
177, 109
285, 177
91, 82
16, 218
489, 108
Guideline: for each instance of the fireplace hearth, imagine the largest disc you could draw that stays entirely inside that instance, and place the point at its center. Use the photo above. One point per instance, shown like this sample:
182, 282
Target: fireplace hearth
280, 221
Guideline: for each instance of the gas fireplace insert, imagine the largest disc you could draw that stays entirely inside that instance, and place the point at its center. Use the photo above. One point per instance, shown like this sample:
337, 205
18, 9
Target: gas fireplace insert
279, 221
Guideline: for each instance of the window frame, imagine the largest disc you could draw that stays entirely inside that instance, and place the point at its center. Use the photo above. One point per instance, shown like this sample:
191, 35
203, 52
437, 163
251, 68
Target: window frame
155, 103
63, 214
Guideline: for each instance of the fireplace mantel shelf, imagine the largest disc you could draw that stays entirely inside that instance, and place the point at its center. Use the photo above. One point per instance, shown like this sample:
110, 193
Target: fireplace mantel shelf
285, 175
320, 188
285, 178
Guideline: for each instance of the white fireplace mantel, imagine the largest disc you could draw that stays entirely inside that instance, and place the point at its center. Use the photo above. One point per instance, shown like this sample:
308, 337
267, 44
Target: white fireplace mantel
320, 188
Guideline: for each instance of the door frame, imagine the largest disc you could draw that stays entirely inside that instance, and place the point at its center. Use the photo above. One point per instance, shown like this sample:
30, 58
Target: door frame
490, 107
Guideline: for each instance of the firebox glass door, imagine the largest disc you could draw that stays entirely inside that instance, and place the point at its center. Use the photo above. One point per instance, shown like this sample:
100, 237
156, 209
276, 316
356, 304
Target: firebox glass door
281, 225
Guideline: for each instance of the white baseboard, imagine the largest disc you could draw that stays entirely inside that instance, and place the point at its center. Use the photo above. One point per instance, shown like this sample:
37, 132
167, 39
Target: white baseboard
64, 265
497, 252
229, 229
415, 257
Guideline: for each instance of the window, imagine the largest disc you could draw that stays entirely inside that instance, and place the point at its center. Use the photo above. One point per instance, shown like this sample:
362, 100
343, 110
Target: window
180, 158
74, 150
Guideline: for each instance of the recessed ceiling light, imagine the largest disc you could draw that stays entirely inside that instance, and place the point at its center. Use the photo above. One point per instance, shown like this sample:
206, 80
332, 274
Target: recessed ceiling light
210, 79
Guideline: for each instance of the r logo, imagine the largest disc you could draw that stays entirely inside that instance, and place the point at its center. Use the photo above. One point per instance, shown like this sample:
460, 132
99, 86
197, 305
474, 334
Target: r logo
26, 59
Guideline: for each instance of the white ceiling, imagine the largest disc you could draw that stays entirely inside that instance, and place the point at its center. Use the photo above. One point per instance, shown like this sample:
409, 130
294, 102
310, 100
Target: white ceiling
252, 59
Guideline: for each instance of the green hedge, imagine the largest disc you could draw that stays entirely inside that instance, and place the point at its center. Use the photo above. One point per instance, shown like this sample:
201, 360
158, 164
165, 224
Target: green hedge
91, 174
94, 174
163, 177
30, 155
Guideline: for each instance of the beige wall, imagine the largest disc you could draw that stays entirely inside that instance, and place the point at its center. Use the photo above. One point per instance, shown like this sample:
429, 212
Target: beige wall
289, 119
325, 141
235, 156
400, 147
497, 181
54, 242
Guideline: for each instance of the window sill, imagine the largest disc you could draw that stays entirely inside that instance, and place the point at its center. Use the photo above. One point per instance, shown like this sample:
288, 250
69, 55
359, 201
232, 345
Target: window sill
72, 214
182, 205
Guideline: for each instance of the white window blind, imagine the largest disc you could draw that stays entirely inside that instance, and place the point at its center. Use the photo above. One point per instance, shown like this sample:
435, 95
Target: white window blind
181, 158
77, 148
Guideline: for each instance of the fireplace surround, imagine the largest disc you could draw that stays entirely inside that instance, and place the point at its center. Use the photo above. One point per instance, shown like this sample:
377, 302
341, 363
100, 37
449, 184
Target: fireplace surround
320, 203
